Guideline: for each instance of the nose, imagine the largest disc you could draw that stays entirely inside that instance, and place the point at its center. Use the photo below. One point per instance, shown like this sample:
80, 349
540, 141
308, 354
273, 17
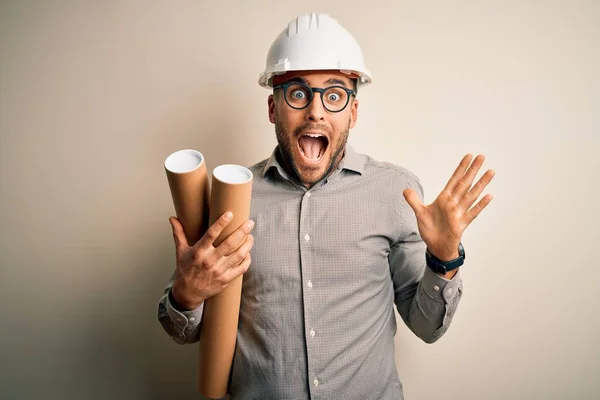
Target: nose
315, 110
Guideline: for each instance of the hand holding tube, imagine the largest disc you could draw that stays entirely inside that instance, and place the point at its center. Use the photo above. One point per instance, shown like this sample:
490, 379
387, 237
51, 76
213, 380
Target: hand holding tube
204, 270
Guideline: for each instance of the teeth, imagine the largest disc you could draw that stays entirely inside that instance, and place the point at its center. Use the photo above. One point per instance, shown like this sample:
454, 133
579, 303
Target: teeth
313, 135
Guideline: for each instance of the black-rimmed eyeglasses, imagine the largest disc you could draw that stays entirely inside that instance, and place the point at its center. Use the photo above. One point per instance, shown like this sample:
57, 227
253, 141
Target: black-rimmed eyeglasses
299, 96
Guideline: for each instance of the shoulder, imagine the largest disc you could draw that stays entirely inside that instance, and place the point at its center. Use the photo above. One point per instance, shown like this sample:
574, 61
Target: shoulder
390, 173
258, 168
259, 178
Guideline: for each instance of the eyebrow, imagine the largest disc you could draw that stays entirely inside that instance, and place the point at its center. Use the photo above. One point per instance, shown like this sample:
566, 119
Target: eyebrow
297, 79
335, 81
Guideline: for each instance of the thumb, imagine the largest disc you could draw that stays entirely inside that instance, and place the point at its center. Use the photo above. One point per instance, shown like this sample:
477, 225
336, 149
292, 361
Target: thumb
178, 234
413, 200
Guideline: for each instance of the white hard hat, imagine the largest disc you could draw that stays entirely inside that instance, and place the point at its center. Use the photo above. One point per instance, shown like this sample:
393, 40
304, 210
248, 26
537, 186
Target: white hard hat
314, 42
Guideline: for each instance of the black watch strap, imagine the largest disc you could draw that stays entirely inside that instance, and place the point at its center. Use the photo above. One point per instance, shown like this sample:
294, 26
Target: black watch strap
443, 267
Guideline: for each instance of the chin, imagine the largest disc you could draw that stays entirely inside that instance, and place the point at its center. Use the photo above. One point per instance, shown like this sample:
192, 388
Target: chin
311, 173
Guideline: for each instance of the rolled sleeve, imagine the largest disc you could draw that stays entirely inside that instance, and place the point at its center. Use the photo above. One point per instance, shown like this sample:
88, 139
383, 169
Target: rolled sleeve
181, 325
441, 296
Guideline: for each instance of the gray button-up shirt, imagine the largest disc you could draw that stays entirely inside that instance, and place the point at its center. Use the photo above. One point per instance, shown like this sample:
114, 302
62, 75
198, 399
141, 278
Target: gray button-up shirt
328, 264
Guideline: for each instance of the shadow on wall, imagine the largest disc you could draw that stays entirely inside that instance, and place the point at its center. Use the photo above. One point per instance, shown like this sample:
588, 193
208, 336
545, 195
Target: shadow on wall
128, 353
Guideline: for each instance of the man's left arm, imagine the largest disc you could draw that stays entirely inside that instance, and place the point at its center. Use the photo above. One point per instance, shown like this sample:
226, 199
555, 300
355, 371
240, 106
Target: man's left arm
425, 299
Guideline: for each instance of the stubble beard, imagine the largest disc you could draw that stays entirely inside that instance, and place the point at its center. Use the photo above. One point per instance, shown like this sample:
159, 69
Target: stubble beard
287, 142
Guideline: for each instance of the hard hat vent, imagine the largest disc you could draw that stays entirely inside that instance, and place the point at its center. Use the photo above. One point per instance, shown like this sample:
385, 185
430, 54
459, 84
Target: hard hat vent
305, 22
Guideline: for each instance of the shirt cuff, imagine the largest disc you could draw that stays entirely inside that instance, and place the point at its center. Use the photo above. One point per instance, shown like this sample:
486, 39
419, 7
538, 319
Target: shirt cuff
183, 320
438, 287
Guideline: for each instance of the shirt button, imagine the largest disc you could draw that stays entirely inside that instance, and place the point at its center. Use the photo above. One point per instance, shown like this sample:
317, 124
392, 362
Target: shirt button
316, 382
436, 288
309, 283
307, 194
306, 237
312, 333
192, 319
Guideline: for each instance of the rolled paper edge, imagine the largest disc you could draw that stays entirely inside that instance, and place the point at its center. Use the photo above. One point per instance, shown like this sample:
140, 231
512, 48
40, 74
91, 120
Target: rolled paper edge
190, 194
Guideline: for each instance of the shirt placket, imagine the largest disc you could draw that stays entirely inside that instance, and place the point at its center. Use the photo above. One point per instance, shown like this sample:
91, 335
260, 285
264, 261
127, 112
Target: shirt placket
309, 287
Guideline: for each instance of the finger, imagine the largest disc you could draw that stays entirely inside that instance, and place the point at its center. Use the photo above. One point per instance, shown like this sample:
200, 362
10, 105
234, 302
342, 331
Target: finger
178, 234
458, 173
464, 184
234, 240
213, 232
413, 200
238, 256
474, 212
474, 193
238, 270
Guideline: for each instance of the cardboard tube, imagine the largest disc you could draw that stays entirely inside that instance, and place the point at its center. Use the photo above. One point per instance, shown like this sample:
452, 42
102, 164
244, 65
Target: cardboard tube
231, 191
190, 191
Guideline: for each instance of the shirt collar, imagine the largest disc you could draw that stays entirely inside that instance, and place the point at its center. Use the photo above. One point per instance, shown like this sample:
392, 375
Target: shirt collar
351, 161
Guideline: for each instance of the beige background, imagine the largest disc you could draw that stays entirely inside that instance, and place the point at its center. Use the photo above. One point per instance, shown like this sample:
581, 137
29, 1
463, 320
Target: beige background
95, 95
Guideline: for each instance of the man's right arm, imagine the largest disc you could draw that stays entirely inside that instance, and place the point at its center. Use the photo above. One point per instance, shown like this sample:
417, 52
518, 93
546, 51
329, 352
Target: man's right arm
202, 271
183, 326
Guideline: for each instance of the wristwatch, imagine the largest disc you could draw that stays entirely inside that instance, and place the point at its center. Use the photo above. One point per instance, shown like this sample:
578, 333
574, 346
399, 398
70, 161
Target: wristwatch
442, 267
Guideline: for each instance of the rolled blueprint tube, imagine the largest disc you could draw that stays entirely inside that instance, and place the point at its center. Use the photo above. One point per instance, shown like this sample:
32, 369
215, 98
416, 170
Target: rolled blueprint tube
190, 191
231, 191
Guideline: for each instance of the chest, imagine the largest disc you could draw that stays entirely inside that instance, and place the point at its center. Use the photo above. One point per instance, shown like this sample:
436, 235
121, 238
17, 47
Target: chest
340, 241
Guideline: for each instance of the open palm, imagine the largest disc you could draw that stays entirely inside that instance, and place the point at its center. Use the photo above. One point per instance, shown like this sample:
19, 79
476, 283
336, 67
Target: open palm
442, 223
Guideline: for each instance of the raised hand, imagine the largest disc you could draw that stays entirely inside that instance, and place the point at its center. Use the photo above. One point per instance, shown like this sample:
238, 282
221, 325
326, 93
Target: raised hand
204, 270
442, 223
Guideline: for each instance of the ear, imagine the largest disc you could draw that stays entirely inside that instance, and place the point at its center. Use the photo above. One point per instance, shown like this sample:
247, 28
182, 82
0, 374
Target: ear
353, 113
271, 103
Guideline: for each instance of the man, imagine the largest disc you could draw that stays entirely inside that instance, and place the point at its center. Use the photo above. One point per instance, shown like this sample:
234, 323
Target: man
340, 239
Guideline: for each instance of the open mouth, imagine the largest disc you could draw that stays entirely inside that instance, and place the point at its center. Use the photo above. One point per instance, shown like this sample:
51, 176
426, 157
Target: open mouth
312, 146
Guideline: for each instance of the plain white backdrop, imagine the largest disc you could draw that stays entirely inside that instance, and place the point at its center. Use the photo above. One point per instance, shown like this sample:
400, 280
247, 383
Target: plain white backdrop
95, 95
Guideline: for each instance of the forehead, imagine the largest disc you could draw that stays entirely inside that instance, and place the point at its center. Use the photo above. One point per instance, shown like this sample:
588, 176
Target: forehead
315, 78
